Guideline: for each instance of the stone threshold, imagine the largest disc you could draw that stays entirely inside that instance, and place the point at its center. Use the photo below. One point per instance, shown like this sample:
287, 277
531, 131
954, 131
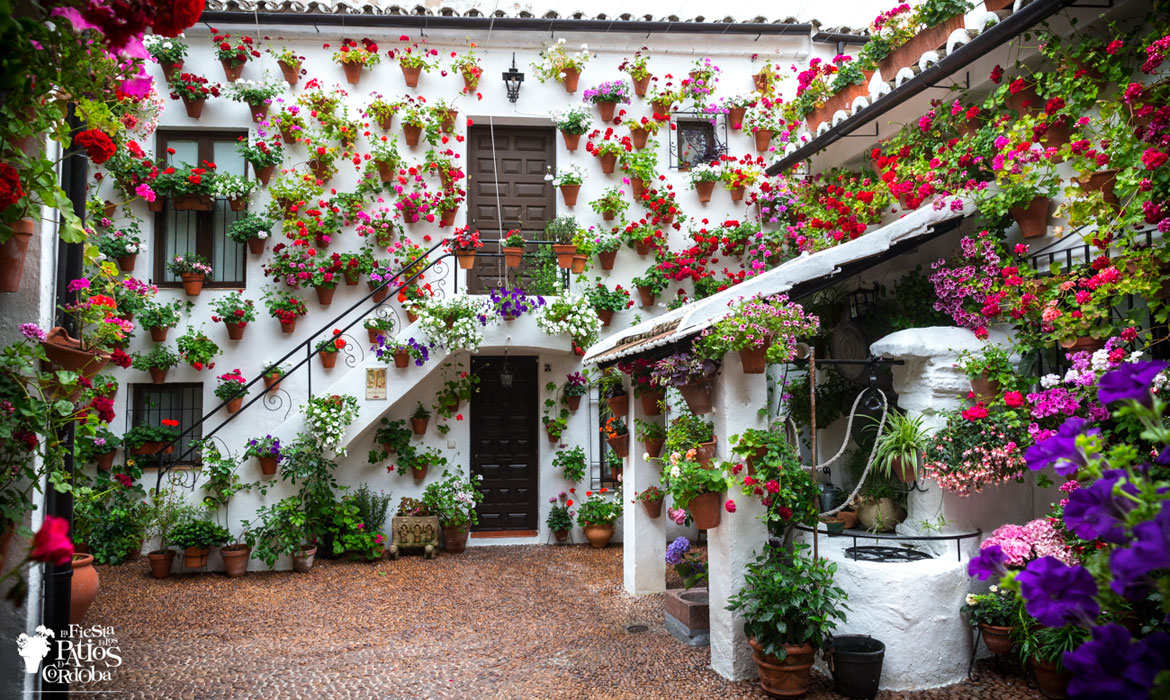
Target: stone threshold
486, 534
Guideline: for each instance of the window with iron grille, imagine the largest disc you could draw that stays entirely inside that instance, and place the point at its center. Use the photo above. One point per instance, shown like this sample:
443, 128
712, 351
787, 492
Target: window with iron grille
152, 403
202, 232
600, 471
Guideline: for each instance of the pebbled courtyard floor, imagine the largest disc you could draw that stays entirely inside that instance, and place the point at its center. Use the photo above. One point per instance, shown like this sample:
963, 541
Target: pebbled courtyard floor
492, 622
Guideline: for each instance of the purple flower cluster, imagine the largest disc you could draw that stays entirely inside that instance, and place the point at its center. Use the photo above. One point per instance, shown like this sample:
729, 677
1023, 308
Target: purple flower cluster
676, 551
1057, 594
681, 368
33, 332
512, 303
609, 91
1114, 665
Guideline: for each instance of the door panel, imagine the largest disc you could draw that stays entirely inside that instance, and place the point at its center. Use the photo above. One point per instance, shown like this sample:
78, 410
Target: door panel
504, 448
508, 192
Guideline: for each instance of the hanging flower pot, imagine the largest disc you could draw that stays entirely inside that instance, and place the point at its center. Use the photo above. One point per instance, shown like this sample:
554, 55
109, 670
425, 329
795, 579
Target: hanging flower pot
351, 277
320, 170
234, 404
641, 247
653, 508
353, 72
513, 257
410, 74
272, 383
760, 81
578, 266
152, 448
650, 402
735, 117
289, 327
565, 253
157, 205
1082, 343
288, 134
608, 161
619, 406
265, 174
606, 316
325, 295
699, 395
380, 291
105, 461
705, 510
704, 453
662, 107
158, 375
737, 194
328, 359
704, 190
1025, 101
754, 360
235, 330
411, 134
571, 140
606, 259
638, 136
12, 254
569, 194
1032, 219
653, 446
237, 204
256, 245
230, 71
447, 217
192, 283
641, 84
194, 107
447, 121
466, 259
572, 75
169, 69
159, 333
986, 389
573, 402
386, 172
401, 359
763, 140
1102, 181
637, 187
606, 109
620, 444
419, 425
193, 202
647, 295
259, 111
291, 74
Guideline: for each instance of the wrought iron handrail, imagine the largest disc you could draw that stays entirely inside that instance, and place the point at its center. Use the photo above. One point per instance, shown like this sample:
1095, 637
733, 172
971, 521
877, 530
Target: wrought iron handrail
397, 282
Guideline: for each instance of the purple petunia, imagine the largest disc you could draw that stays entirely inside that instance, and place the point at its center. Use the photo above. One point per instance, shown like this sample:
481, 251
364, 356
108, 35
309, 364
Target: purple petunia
1112, 665
1150, 551
990, 562
1056, 593
1096, 512
1130, 381
1060, 450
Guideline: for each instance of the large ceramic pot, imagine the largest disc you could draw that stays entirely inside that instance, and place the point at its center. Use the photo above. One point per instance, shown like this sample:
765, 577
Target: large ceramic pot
65, 352
599, 535
303, 561
704, 510
997, 638
883, 511
83, 588
235, 559
788, 678
454, 539
161, 563
1051, 679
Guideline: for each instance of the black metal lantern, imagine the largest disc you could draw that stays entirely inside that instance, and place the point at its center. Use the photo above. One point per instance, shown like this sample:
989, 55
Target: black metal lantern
512, 80
506, 374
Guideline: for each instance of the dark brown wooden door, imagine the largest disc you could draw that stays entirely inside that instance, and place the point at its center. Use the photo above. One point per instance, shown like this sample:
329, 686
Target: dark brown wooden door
507, 189
504, 449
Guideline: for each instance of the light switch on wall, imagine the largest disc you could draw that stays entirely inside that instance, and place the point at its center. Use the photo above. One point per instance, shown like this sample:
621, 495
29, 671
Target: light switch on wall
450, 444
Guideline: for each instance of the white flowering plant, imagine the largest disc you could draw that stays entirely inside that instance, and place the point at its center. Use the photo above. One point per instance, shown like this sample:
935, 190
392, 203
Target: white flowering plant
455, 323
234, 186
574, 119
572, 315
454, 499
555, 60
705, 173
121, 241
328, 417
573, 174
164, 49
254, 92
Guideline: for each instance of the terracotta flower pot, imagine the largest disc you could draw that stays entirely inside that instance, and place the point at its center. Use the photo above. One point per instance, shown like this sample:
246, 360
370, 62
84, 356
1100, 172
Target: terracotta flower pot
1051, 679
419, 473
647, 296
235, 559
620, 444
380, 291
561, 535
256, 246
754, 360
997, 638
291, 75
608, 162
192, 283
234, 404
195, 557
578, 265
231, 72
573, 402
850, 518
641, 247
606, 316
619, 406
653, 508
419, 425
65, 352
571, 140
705, 453
986, 389
290, 327
465, 258
513, 257
192, 202
447, 121
638, 136
606, 110
653, 446
599, 535
788, 678
447, 217
1026, 101
411, 134
1082, 343
105, 461
325, 295
235, 330
699, 395
1103, 182
386, 122
1032, 219
353, 72
908, 54
569, 193
607, 259
126, 262
763, 140
455, 539
565, 253
170, 69
12, 254
158, 375
152, 447
650, 401
259, 111
735, 117
705, 509
572, 75
271, 384
704, 190
83, 587
328, 359
303, 561
401, 359
661, 107
159, 334
410, 75
637, 187
161, 563
194, 107
267, 465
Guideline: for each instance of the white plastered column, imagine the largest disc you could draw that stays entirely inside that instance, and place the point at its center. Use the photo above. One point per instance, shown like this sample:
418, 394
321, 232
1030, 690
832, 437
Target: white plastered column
643, 537
741, 535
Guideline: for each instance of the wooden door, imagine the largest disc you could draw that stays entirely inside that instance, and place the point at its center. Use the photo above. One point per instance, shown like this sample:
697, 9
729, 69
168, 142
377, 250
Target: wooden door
507, 190
504, 448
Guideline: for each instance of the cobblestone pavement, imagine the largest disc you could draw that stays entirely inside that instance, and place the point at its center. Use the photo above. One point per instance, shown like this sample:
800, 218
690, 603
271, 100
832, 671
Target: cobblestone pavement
492, 622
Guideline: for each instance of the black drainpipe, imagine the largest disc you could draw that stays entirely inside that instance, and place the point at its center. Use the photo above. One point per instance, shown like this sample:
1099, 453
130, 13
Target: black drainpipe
58, 579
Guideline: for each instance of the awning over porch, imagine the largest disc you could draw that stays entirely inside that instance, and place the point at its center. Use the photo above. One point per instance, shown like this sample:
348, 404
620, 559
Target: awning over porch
795, 274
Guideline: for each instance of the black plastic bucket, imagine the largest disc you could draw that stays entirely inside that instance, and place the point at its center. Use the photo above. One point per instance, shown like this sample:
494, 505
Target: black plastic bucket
856, 663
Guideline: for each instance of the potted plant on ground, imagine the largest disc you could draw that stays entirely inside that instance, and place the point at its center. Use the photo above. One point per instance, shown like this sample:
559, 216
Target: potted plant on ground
280, 530
160, 359
572, 122
571, 462
454, 499
235, 312
232, 388
1044, 649
196, 536
150, 439
996, 614
266, 450
651, 499
165, 511
252, 230
597, 515
560, 519
790, 607
900, 446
